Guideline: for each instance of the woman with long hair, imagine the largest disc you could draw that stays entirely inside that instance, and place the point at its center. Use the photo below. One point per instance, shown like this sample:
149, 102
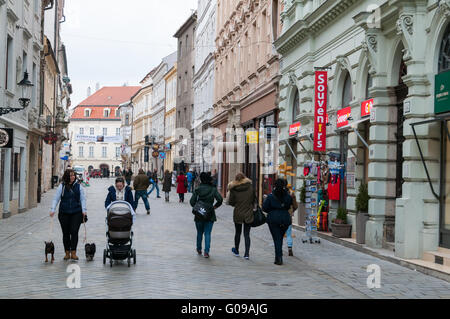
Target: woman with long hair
242, 198
72, 211
277, 206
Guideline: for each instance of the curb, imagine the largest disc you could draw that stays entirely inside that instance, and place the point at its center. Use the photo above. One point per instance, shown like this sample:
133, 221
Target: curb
427, 271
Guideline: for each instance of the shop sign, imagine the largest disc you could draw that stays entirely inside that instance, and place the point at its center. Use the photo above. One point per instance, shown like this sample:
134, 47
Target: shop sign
442, 92
366, 106
146, 157
50, 138
252, 137
320, 128
6, 137
351, 180
342, 116
294, 128
162, 155
155, 154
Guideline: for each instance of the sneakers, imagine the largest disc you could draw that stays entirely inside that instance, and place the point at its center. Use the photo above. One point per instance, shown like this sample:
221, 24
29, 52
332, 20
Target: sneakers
235, 252
290, 251
206, 255
148, 212
199, 252
246, 257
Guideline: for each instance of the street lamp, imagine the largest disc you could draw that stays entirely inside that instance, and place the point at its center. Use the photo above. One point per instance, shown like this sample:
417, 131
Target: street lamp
25, 100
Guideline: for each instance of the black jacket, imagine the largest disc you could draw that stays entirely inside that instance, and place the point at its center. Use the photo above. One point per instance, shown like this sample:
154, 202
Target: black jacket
278, 209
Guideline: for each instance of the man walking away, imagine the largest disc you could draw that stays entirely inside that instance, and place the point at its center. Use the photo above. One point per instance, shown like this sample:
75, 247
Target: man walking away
154, 181
140, 185
128, 175
190, 179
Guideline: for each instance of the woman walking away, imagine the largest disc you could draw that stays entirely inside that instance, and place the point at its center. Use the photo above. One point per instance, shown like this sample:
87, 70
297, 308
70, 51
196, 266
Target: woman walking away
277, 206
119, 192
181, 186
167, 184
206, 193
242, 198
72, 210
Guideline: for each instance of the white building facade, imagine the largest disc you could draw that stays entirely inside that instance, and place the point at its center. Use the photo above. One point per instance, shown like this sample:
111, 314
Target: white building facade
388, 52
203, 81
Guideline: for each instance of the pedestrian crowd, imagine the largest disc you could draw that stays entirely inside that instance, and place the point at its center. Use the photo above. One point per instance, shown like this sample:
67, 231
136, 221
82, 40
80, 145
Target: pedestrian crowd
279, 206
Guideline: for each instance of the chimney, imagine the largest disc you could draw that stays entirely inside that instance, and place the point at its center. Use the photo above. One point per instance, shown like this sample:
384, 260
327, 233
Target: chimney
88, 91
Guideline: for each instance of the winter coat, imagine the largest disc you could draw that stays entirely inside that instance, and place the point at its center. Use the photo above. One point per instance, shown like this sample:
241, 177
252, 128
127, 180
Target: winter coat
278, 210
181, 189
207, 193
128, 174
71, 200
141, 182
167, 183
111, 197
242, 198
190, 177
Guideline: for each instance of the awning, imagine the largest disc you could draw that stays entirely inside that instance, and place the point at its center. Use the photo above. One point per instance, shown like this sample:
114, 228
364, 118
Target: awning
440, 118
354, 127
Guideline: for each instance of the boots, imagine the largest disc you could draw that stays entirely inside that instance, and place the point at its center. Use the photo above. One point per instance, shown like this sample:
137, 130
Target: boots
73, 255
67, 256
290, 251
278, 261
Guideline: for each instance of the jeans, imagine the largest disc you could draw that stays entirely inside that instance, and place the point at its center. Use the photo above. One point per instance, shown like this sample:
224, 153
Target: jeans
204, 228
190, 187
154, 185
70, 225
237, 237
277, 232
290, 241
128, 182
144, 195
167, 196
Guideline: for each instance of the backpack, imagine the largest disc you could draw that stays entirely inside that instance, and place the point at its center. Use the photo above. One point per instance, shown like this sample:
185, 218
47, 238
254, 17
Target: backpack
203, 210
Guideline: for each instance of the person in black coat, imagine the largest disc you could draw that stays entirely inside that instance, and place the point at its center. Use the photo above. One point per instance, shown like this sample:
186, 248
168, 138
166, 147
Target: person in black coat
277, 206
120, 192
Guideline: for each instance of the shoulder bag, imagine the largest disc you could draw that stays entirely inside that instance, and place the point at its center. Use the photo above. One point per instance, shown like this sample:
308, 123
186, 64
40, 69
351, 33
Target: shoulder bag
258, 216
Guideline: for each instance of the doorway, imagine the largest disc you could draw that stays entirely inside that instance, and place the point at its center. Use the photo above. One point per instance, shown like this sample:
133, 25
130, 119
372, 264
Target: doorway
444, 220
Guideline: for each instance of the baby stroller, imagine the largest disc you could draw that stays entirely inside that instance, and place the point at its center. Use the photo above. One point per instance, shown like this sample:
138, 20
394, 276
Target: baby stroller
119, 234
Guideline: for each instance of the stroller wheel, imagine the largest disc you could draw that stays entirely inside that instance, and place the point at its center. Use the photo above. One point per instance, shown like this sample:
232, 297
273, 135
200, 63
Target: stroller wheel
104, 256
129, 261
134, 256
110, 262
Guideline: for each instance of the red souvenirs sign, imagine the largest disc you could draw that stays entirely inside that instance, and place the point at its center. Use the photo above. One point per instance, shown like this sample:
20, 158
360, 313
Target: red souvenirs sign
342, 116
294, 128
366, 106
320, 113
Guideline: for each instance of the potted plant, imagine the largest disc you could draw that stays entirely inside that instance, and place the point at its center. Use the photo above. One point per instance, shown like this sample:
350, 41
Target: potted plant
340, 228
362, 216
301, 206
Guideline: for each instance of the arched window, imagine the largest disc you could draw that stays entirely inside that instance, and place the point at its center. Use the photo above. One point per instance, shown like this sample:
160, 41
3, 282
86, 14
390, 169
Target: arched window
296, 105
347, 91
369, 83
444, 53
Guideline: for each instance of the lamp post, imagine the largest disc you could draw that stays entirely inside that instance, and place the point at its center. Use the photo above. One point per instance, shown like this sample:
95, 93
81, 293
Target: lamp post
24, 101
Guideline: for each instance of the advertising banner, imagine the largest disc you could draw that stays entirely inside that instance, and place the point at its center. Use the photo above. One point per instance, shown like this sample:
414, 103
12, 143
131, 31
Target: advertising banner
342, 116
320, 127
294, 128
442, 92
366, 106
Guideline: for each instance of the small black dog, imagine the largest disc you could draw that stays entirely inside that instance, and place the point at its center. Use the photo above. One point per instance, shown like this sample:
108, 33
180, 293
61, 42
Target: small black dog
49, 249
90, 251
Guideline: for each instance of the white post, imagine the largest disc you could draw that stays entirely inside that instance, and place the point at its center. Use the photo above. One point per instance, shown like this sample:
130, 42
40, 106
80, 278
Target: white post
7, 183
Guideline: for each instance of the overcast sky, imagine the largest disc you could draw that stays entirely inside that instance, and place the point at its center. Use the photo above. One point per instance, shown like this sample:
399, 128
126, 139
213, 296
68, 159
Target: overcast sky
114, 41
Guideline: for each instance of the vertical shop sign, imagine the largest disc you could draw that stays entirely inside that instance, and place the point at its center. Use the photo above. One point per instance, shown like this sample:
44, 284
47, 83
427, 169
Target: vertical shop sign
366, 107
342, 116
320, 127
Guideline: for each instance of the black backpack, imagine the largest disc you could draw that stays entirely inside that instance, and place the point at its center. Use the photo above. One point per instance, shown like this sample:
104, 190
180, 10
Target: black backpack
203, 210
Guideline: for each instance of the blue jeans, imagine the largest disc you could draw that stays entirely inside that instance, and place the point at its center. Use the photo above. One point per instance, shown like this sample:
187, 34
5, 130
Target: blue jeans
290, 241
204, 228
154, 185
144, 195
190, 187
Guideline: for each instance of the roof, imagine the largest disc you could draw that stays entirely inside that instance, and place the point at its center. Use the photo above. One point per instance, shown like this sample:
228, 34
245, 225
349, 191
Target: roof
110, 96
192, 19
96, 113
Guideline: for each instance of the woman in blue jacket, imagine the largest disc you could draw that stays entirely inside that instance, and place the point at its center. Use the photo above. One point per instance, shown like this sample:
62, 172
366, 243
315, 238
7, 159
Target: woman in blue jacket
120, 192
277, 206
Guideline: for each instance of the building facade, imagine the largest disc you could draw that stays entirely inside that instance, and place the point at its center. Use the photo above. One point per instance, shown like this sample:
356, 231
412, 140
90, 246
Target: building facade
203, 81
185, 92
95, 130
170, 116
246, 89
386, 52
126, 128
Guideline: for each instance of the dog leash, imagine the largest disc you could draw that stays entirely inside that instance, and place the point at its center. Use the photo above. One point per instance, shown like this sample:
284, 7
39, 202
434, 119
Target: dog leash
85, 231
51, 228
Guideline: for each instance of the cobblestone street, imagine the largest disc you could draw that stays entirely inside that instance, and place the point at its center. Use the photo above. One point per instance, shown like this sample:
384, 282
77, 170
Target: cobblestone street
169, 267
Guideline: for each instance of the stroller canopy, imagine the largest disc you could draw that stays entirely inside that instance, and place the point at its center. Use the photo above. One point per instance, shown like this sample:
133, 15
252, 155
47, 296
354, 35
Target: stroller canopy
121, 208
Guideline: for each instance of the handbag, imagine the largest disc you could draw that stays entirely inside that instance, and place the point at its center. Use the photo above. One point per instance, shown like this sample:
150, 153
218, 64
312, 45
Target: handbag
258, 217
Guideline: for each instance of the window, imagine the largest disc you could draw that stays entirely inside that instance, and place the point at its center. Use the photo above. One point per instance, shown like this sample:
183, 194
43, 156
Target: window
16, 167
368, 85
179, 85
91, 151
35, 87
185, 82
117, 151
296, 105
80, 151
105, 131
117, 113
9, 64
106, 113
81, 130
347, 92
91, 131
118, 131
127, 120
444, 54
181, 49
104, 151
87, 113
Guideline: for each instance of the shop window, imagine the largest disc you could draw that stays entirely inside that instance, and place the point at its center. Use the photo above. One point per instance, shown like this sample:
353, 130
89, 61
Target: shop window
369, 83
444, 54
347, 92
296, 106
16, 167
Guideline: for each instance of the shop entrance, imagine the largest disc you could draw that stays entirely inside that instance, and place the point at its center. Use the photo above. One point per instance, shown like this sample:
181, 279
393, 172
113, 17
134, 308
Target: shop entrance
343, 159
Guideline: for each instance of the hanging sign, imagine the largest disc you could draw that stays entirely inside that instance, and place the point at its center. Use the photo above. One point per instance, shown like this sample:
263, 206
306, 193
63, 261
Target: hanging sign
162, 155
252, 137
6, 137
442, 92
320, 127
50, 138
343, 115
146, 157
294, 128
366, 106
